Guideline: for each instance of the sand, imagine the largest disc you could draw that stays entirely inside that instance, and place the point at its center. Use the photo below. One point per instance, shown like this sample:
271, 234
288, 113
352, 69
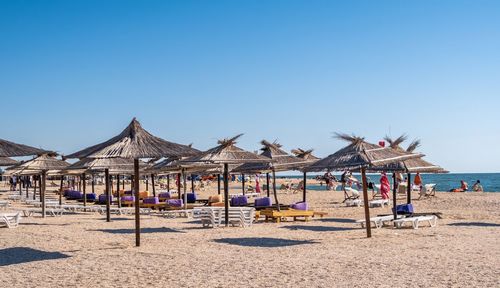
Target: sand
82, 250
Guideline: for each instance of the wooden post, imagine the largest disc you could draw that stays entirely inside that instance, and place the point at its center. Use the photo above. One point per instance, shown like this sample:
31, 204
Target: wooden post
93, 183
84, 188
153, 184
61, 189
106, 189
184, 188
267, 183
274, 190
34, 189
179, 185
40, 187
365, 202
218, 184
243, 183
119, 198
408, 191
123, 183
304, 188
43, 193
20, 185
192, 183
137, 210
168, 182
226, 194
394, 196
27, 186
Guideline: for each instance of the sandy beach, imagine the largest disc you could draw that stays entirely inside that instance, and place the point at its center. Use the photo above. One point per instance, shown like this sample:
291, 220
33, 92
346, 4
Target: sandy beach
82, 250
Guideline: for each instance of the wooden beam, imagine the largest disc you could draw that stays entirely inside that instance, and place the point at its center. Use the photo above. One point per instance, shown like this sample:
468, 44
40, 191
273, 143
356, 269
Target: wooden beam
226, 193
365, 202
106, 189
394, 195
304, 188
274, 190
137, 210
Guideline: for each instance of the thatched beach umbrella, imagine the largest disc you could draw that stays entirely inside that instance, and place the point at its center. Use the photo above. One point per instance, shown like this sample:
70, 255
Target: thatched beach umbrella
227, 153
308, 158
40, 166
11, 149
135, 143
281, 161
362, 155
6, 161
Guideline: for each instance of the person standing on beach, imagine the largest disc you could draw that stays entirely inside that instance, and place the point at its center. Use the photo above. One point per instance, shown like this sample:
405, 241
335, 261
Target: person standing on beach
385, 186
418, 181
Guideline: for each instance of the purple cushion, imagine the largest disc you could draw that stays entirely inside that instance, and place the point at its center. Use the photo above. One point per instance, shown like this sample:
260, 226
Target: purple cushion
239, 201
263, 202
300, 206
165, 195
152, 200
175, 202
102, 198
128, 192
72, 194
191, 197
91, 196
127, 198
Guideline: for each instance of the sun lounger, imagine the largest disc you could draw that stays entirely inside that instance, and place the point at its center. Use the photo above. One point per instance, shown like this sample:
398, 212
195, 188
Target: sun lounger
28, 212
178, 213
214, 216
4, 205
378, 221
378, 203
428, 191
11, 220
415, 221
354, 194
353, 203
277, 216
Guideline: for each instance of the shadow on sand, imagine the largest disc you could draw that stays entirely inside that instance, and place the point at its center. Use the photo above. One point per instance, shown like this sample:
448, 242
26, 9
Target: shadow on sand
317, 228
143, 230
336, 220
264, 242
477, 224
19, 255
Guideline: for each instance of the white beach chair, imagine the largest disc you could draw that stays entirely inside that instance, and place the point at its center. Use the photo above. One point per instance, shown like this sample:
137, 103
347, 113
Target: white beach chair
11, 220
415, 221
353, 203
378, 203
4, 205
428, 191
379, 221
211, 217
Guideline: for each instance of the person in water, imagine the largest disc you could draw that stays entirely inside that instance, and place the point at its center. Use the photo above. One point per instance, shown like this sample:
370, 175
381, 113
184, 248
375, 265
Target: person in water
477, 187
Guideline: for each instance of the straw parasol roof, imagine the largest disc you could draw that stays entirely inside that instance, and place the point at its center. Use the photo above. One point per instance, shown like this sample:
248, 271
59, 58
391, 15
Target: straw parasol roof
5, 161
281, 160
135, 142
11, 149
42, 163
172, 165
411, 165
227, 153
115, 165
305, 154
359, 154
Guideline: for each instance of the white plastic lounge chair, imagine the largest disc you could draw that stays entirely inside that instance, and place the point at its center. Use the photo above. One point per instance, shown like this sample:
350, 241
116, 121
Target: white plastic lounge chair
428, 191
415, 221
353, 203
378, 221
11, 220
378, 203
4, 205
350, 194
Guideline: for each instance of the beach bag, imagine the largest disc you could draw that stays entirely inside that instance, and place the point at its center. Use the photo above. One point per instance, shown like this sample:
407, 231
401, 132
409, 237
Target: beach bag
404, 209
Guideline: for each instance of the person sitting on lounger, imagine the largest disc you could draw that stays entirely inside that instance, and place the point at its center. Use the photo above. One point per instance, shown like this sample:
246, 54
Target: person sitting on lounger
385, 186
477, 187
463, 187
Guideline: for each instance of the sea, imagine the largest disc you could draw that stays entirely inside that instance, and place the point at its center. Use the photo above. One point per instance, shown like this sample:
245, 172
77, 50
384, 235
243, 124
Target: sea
445, 182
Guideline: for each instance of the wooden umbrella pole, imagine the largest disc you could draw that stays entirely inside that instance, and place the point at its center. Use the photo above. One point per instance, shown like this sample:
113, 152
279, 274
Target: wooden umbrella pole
61, 189
34, 189
84, 188
27, 186
179, 185
40, 186
365, 202
43, 193
184, 188
153, 184
168, 182
137, 210
119, 196
274, 191
408, 190
394, 195
147, 183
20, 185
218, 184
267, 183
93, 183
243, 183
106, 189
192, 183
226, 194
304, 188
123, 183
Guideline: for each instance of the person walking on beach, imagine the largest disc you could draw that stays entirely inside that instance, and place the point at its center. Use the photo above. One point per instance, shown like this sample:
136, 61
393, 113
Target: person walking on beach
385, 186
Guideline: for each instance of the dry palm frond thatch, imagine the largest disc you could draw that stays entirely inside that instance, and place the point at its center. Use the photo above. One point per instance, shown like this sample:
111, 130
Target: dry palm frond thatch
11, 149
5, 161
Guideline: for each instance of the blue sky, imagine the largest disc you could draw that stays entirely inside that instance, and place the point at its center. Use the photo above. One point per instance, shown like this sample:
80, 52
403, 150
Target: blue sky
74, 73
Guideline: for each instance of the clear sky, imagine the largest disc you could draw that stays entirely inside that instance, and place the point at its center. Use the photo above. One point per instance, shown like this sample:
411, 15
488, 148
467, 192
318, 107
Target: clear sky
74, 73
